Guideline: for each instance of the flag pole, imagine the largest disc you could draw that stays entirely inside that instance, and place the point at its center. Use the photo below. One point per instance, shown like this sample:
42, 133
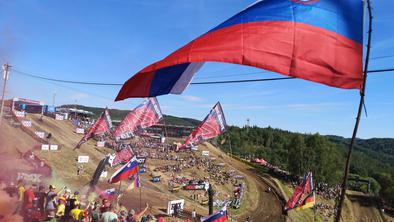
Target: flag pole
140, 195
120, 186
360, 108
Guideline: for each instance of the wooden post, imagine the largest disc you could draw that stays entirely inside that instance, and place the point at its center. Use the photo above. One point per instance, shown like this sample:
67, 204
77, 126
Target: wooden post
6, 68
360, 108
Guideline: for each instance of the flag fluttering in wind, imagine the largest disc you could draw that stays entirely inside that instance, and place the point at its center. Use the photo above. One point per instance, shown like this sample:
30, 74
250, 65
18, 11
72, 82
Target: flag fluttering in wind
308, 202
121, 157
315, 40
306, 187
108, 194
135, 183
213, 125
126, 171
146, 114
102, 125
218, 216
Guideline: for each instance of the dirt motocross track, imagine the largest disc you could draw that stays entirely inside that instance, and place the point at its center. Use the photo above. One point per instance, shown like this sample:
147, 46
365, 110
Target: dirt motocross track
258, 204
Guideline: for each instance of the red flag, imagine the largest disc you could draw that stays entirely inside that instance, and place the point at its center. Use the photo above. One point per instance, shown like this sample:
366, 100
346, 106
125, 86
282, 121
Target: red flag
305, 187
102, 125
122, 157
213, 125
146, 114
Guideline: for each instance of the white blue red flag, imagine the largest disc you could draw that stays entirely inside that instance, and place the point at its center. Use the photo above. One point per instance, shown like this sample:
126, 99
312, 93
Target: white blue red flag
126, 171
218, 216
315, 40
108, 194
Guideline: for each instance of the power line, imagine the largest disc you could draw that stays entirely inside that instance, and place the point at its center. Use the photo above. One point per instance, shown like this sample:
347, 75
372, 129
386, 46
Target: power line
382, 57
193, 83
66, 81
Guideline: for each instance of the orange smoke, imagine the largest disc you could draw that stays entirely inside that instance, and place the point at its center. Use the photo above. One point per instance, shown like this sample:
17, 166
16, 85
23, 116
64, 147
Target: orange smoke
7, 207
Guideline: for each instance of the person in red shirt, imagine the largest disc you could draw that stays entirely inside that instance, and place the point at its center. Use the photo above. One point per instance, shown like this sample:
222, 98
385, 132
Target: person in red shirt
28, 198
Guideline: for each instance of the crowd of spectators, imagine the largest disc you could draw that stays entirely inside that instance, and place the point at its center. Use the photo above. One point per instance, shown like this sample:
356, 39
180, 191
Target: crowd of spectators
37, 203
328, 192
326, 210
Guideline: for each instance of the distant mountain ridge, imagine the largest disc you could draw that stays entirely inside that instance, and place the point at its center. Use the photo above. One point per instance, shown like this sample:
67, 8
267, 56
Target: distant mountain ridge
118, 115
377, 148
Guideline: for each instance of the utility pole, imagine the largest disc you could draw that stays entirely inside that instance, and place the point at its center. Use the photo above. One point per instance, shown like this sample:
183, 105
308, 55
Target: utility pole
6, 68
53, 99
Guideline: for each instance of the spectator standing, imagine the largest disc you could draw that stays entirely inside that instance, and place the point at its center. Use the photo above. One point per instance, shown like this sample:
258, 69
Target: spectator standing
41, 195
194, 215
61, 208
21, 191
109, 215
28, 198
76, 213
94, 212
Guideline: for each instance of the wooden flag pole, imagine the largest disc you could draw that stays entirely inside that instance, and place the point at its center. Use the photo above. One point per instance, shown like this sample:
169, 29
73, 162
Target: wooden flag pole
120, 187
360, 108
140, 195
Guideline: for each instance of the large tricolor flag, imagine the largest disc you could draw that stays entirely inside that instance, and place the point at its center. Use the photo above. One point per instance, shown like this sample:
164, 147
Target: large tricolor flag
102, 125
135, 183
146, 114
218, 216
126, 171
315, 40
213, 125
306, 187
308, 202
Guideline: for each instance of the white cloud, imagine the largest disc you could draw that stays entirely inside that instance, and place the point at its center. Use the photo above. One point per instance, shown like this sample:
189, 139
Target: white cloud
192, 98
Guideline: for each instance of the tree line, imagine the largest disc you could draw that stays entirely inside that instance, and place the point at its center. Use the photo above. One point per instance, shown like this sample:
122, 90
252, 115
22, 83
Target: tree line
299, 153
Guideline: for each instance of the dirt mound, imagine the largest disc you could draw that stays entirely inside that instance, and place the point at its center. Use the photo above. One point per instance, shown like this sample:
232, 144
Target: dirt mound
361, 207
13, 143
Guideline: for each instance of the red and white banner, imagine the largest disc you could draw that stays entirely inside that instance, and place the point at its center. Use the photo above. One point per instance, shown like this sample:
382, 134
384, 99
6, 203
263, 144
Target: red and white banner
102, 125
53, 147
40, 134
213, 125
45, 147
122, 157
100, 143
26, 123
80, 130
83, 159
20, 114
59, 117
146, 114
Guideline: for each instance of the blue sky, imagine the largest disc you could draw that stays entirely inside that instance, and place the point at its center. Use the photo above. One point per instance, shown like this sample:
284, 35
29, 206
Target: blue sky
109, 41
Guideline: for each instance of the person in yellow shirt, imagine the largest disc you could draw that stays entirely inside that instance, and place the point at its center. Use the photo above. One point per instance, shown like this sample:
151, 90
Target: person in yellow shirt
77, 213
61, 207
21, 191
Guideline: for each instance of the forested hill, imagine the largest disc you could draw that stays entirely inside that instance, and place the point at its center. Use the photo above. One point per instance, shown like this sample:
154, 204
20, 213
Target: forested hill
378, 148
118, 115
297, 153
